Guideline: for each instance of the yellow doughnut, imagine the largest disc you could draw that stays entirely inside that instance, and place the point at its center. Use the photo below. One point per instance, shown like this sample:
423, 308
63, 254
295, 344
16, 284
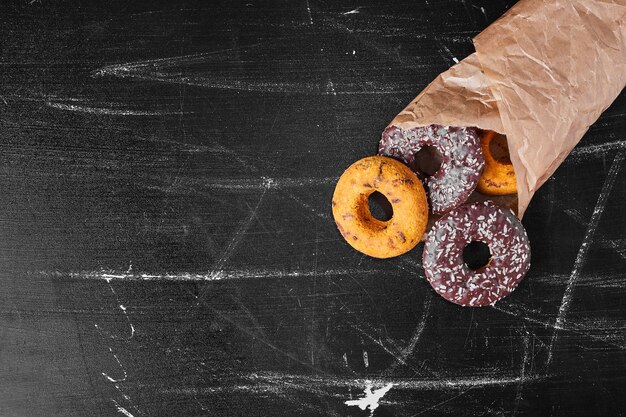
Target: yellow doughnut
498, 177
365, 233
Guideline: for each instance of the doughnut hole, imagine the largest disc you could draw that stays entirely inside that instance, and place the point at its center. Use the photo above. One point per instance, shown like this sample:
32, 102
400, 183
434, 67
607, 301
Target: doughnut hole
428, 160
476, 255
380, 207
499, 149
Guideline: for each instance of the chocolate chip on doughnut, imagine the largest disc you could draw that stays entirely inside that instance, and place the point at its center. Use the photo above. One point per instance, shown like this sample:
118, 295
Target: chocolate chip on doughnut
401, 187
498, 177
443, 261
462, 160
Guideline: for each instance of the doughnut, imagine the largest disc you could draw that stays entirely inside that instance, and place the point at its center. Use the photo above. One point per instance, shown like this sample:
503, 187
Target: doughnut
443, 262
498, 177
461, 165
365, 233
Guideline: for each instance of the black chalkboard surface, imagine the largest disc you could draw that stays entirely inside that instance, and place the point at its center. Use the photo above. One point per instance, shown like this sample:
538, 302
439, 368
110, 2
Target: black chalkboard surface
167, 246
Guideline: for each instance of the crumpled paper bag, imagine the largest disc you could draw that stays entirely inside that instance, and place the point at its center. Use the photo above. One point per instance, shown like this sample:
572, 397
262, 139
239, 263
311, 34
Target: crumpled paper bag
541, 75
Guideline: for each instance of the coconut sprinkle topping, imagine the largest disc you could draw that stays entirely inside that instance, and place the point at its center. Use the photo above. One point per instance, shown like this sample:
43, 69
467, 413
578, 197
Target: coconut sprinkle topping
508, 243
461, 166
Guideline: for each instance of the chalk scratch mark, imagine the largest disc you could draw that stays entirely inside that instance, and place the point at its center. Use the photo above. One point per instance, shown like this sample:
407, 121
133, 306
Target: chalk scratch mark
214, 148
307, 206
617, 245
243, 159
575, 215
582, 151
465, 391
390, 347
121, 409
448, 52
353, 11
308, 9
409, 349
109, 112
239, 234
482, 10
596, 280
256, 337
121, 307
211, 276
156, 70
584, 248
325, 382
469, 15
312, 344
444, 402
525, 358
201, 187
111, 379
395, 354
570, 327
107, 376
411, 265
330, 87
266, 183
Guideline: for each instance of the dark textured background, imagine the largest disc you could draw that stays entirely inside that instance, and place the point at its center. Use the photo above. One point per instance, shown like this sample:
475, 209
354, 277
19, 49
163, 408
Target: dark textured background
167, 247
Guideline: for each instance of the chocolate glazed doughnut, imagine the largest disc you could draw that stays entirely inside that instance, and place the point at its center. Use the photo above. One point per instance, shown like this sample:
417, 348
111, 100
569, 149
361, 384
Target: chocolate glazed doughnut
443, 261
461, 166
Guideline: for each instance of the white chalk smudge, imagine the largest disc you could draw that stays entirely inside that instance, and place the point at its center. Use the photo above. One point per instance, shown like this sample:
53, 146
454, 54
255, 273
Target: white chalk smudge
410, 347
121, 409
266, 183
307, 206
616, 245
158, 70
448, 52
330, 87
394, 353
308, 9
211, 276
407, 351
241, 231
571, 327
122, 307
371, 398
109, 112
262, 382
525, 358
596, 280
583, 151
111, 379
584, 247
116, 381
575, 215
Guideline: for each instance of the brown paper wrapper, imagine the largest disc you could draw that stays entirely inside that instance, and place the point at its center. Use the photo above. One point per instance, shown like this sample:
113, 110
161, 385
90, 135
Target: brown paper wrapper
541, 75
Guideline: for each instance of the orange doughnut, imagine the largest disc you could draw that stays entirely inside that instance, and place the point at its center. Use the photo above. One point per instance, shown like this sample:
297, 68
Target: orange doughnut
365, 233
498, 177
